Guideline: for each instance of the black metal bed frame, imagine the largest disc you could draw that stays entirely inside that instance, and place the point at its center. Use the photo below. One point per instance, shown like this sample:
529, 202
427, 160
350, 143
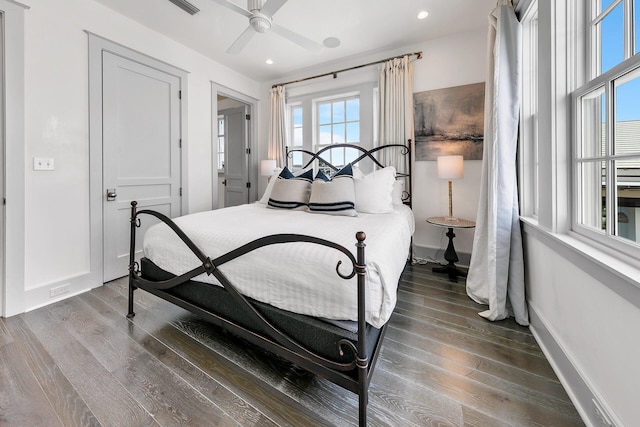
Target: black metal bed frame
275, 340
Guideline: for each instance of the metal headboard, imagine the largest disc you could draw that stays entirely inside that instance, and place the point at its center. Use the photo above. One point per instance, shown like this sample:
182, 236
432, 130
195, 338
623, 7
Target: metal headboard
405, 151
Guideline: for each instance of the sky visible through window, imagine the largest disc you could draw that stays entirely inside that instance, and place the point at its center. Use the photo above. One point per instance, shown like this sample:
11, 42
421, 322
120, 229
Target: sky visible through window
628, 95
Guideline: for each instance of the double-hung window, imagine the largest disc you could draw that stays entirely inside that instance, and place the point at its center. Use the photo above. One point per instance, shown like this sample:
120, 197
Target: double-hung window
606, 110
338, 122
324, 119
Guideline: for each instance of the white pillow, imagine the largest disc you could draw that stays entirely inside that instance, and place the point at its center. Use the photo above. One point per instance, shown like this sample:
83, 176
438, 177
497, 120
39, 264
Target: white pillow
335, 196
291, 192
267, 192
396, 193
373, 191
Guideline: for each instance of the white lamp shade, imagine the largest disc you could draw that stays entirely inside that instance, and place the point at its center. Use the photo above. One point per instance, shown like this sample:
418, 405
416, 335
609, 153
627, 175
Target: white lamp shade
450, 167
267, 167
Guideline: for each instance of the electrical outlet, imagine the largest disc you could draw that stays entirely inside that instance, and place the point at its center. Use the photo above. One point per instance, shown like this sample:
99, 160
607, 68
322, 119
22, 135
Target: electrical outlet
603, 418
59, 290
43, 164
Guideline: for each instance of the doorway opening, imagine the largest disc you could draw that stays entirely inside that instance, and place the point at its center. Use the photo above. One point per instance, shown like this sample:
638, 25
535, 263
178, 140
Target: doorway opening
233, 164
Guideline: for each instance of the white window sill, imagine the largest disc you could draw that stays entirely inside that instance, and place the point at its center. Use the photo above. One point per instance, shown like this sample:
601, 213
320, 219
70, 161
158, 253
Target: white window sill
618, 272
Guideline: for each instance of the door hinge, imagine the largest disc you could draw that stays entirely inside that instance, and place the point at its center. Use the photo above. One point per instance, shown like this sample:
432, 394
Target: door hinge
180, 191
248, 150
180, 143
247, 116
179, 94
4, 201
248, 185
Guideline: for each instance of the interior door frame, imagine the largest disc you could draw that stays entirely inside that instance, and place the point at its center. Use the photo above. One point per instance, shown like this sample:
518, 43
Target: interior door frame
252, 162
12, 287
97, 45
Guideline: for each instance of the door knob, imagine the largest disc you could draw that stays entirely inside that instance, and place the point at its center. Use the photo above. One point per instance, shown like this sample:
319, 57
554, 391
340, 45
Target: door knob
224, 182
111, 194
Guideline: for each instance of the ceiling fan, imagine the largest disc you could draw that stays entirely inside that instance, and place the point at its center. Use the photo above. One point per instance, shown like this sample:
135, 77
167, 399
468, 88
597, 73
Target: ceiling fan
260, 20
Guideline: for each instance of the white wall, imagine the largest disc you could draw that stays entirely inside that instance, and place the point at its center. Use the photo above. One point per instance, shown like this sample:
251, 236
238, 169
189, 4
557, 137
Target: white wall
451, 61
56, 122
588, 331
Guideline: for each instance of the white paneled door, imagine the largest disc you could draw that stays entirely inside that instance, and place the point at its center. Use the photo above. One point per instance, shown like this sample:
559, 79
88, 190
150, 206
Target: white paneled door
141, 152
236, 178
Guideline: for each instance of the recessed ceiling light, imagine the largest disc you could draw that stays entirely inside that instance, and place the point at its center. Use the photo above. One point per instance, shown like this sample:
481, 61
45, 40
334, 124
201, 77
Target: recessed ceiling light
331, 42
423, 14
268, 61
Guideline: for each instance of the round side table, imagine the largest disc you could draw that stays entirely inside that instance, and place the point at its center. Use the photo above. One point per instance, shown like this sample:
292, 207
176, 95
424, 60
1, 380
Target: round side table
450, 254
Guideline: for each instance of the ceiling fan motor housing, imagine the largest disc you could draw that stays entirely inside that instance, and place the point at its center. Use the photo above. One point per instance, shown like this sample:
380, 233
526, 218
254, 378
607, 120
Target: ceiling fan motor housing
260, 22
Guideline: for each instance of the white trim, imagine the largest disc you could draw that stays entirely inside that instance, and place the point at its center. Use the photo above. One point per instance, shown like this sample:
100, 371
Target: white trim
528, 146
611, 270
253, 141
97, 45
14, 80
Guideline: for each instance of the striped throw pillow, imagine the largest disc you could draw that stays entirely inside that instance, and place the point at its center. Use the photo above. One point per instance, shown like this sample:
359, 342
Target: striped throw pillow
291, 192
336, 196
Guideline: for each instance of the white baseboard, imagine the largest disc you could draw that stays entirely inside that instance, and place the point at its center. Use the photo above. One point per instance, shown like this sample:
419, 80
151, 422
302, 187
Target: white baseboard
581, 395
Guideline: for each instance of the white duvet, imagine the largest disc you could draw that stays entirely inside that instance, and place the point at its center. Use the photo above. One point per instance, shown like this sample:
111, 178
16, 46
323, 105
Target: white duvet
298, 277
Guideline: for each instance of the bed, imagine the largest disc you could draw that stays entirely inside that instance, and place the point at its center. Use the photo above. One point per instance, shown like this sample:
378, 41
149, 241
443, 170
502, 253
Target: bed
289, 274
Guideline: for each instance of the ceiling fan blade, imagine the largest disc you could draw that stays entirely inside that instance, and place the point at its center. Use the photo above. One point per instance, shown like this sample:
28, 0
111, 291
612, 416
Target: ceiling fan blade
241, 41
296, 38
234, 7
271, 6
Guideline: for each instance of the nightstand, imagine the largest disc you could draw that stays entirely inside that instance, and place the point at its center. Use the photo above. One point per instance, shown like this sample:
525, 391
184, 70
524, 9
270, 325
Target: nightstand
450, 254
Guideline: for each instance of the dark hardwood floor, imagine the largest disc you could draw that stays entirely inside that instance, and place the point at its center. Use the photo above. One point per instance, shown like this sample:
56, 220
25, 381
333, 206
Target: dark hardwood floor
80, 362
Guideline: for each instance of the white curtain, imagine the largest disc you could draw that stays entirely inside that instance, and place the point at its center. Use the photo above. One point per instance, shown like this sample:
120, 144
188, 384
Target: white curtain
395, 109
278, 126
496, 271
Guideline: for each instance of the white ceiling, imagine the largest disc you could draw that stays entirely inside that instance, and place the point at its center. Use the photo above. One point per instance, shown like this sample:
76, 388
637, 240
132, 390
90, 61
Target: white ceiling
363, 27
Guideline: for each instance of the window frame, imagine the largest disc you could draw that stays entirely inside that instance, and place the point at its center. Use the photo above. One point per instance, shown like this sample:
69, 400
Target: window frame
528, 133
595, 80
307, 101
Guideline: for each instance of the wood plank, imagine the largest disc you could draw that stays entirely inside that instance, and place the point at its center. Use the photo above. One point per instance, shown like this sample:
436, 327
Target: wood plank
167, 397
69, 407
278, 407
104, 395
466, 385
5, 336
22, 401
238, 409
501, 353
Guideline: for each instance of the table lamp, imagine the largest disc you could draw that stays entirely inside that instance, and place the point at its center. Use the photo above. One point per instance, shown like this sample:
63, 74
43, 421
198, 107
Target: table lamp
450, 167
267, 167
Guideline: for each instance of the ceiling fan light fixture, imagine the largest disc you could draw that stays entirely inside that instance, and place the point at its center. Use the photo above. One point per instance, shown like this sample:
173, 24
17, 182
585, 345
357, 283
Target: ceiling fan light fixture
423, 14
260, 22
269, 62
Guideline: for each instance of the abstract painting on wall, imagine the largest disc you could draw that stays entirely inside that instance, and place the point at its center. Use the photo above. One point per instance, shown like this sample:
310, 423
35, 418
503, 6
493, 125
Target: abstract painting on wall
449, 121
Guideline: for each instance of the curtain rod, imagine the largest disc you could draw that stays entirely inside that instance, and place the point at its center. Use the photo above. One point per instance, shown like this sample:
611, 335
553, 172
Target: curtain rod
335, 73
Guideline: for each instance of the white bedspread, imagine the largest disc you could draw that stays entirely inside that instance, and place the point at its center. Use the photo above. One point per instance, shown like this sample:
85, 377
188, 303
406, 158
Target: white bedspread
298, 277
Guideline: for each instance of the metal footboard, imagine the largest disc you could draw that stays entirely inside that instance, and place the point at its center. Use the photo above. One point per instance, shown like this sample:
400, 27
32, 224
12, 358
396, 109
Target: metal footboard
275, 340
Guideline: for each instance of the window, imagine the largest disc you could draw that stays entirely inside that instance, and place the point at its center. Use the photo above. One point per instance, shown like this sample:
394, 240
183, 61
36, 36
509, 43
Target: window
338, 122
296, 132
606, 153
528, 154
322, 119
221, 143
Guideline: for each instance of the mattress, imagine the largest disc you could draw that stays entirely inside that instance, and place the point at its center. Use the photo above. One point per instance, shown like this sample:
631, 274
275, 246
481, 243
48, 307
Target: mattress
297, 277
